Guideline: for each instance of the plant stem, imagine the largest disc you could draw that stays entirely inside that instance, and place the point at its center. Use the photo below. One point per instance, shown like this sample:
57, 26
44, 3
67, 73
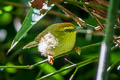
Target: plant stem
27, 66
13, 4
113, 65
87, 4
81, 64
79, 21
43, 61
104, 58
18, 67
72, 76
96, 19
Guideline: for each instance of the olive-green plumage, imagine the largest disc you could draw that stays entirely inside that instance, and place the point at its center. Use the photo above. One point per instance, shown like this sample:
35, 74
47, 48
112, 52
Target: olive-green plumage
65, 34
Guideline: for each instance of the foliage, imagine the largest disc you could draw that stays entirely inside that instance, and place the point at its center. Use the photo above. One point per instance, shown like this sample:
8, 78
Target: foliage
89, 17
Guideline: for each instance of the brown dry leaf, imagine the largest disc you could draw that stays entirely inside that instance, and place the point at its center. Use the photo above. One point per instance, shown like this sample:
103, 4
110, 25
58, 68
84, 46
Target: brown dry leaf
37, 3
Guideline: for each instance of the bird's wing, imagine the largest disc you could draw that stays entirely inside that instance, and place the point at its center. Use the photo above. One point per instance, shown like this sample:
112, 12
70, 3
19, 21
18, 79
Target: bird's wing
40, 35
36, 41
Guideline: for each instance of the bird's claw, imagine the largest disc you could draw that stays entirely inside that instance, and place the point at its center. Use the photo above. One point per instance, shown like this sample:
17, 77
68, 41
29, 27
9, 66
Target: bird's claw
50, 59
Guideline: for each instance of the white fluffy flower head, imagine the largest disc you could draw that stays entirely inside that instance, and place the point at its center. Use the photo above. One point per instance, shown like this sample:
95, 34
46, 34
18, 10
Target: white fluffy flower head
46, 43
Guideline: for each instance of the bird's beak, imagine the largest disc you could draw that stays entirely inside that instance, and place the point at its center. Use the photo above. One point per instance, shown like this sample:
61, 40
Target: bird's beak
77, 29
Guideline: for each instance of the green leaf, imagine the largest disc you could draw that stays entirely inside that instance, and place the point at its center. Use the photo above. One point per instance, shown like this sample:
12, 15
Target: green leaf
33, 16
67, 71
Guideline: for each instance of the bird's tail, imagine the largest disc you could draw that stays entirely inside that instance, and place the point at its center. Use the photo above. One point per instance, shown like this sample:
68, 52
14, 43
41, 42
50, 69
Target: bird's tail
30, 45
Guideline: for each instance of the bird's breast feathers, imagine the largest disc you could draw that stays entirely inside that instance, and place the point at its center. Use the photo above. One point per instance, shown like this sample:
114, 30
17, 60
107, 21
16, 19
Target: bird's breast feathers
47, 42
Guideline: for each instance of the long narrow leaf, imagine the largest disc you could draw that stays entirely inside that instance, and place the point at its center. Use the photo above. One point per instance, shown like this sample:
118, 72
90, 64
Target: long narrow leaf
33, 16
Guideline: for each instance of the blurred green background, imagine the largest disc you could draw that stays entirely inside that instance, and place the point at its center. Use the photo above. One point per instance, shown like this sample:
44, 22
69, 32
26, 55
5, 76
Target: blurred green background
12, 14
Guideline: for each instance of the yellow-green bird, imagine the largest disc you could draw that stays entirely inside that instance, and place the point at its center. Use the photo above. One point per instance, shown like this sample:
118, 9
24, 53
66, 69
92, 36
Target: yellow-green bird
56, 39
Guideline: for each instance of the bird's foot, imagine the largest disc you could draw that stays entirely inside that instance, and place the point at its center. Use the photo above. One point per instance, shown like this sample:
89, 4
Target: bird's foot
50, 59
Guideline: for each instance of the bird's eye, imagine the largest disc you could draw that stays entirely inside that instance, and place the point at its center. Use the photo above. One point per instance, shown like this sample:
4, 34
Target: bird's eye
69, 30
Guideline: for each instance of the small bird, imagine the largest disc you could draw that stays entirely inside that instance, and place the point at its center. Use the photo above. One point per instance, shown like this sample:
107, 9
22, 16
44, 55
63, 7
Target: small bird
56, 39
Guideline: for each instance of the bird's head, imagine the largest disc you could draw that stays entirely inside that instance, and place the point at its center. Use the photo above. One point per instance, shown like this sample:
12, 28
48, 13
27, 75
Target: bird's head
64, 27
